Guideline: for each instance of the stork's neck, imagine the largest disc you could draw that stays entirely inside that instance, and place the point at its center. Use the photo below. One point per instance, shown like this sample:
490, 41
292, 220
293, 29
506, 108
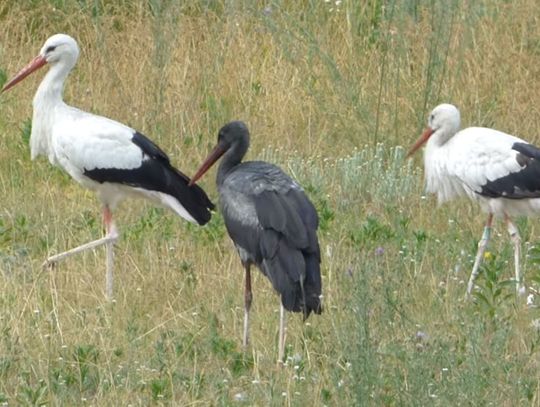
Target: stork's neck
47, 99
50, 90
440, 138
232, 158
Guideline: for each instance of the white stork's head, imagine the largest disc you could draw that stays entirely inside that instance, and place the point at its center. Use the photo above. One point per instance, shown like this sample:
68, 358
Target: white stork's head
59, 50
443, 123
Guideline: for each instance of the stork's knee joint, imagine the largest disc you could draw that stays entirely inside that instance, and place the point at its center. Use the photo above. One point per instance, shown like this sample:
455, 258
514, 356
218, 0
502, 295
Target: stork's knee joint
514, 232
485, 237
248, 298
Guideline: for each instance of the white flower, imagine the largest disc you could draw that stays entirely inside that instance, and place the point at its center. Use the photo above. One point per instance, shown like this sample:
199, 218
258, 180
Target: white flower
240, 397
530, 300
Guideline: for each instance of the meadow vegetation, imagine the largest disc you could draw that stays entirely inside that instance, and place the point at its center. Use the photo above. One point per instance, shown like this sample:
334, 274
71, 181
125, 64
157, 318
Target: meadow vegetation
334, 92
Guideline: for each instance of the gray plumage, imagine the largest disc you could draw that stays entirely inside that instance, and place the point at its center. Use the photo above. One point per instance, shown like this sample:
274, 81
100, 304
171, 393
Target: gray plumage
271, 221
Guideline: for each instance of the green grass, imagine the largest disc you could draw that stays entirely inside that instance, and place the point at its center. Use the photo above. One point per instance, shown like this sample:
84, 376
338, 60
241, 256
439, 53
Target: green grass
332, 93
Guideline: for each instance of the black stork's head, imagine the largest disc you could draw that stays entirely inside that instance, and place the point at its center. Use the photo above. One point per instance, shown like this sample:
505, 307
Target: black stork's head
233, 141
443, 121
60, 50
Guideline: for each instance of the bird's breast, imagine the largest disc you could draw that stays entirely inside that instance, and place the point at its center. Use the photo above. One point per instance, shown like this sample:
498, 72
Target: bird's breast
238, 207
440, 176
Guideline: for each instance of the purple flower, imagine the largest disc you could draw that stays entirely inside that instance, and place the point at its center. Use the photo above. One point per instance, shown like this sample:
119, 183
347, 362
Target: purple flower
379, 251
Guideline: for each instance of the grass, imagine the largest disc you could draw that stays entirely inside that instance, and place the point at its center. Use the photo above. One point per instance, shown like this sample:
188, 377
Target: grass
333, 93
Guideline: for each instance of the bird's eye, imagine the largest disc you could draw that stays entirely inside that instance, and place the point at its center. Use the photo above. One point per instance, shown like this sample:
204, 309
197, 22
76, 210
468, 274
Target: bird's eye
50, 49
431, 117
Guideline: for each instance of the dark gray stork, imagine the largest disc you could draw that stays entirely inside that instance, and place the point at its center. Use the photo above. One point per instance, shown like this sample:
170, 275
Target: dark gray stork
272, 224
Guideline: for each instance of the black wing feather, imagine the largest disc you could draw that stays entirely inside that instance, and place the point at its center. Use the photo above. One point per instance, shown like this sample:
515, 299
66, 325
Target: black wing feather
157, 174
522, 184
150, 148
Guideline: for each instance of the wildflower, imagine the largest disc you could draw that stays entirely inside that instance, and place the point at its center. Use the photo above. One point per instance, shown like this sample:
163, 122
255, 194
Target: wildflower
488, 255
328, 251
240, 397
379, 251
296, 358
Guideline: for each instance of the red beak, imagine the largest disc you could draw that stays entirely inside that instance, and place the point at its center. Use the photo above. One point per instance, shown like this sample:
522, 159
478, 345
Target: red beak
216, 153
423, 138
33, 66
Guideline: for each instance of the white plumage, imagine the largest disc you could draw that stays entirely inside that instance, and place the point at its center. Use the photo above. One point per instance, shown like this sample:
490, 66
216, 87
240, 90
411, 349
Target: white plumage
499, 171
101, 154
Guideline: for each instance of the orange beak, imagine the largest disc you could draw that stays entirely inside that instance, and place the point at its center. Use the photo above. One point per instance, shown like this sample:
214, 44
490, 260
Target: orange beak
33, 66
216, 153
423, 138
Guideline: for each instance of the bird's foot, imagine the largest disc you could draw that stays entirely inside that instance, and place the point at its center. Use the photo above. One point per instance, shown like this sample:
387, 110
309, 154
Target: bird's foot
470, 297
49, 264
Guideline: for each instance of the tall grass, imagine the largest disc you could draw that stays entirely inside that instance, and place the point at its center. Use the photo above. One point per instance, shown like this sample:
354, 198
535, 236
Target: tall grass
333, 92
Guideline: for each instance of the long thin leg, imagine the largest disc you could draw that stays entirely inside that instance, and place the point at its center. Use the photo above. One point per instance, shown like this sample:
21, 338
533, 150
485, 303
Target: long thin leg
516, 239
248, 297
482, 244
109, 239
282, 333
87, 246
110, 229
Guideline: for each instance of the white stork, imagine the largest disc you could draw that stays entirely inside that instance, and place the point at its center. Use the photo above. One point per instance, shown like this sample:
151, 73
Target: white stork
499, 171
101, 154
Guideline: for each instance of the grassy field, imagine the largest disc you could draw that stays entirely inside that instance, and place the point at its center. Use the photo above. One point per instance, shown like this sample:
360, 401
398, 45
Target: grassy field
334, 92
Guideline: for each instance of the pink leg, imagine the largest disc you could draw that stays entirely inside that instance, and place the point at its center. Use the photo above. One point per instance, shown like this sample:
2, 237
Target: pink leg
112, 234
516, 240
482, 244
110, 238
248, 298
282, 333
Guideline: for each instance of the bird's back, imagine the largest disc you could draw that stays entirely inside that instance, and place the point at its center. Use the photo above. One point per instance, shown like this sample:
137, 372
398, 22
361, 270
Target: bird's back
467, 161
101, 153
274, 225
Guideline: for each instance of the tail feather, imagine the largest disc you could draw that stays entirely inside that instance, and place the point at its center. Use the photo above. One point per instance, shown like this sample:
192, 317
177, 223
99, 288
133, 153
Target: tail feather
312, 286
192, 198
297, 277
156, 176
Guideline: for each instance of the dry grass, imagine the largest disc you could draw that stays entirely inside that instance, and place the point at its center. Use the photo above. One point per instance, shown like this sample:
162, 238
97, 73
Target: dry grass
313, 81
